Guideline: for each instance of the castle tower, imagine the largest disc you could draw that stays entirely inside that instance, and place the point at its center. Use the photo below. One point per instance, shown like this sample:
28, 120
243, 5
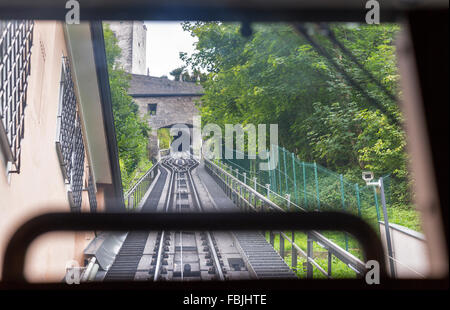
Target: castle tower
131, 36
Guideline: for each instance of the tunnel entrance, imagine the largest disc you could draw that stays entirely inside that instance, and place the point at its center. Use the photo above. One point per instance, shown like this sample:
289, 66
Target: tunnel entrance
181, 137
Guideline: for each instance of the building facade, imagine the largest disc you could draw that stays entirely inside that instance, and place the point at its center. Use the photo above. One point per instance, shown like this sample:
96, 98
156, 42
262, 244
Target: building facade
57, 139
164, 103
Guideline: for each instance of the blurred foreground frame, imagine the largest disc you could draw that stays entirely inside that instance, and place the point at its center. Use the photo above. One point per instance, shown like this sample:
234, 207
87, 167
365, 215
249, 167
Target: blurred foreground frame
423, 61
14, 263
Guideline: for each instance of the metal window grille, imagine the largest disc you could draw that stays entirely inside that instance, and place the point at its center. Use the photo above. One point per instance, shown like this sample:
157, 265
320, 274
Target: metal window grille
91, 194
76, 180
16, 39
69, 139
66, 120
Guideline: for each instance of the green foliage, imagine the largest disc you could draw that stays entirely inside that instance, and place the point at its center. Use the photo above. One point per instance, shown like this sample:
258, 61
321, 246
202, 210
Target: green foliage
181, 74
176, 73
338, 268
131, 130
164, 137
275, 76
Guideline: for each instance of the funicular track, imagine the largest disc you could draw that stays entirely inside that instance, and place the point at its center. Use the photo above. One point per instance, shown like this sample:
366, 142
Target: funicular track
184, 256
187, 255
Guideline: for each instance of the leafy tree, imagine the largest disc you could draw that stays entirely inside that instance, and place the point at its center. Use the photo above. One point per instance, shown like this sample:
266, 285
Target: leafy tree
276, 76
131, 129
181, 74
177, 72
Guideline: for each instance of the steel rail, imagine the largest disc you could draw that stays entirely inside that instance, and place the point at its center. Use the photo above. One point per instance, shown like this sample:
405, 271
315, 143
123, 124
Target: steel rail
181, 232
175, 171
159, 256
208, 234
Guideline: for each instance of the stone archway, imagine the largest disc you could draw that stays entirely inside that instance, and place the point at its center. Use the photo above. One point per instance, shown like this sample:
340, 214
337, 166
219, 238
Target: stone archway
180, 132
165, 103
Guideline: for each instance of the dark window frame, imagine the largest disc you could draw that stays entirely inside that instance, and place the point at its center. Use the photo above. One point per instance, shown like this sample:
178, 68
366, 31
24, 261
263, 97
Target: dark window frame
152, 108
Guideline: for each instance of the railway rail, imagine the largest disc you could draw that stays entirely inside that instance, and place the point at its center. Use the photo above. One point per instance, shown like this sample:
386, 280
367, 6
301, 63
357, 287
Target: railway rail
191, 255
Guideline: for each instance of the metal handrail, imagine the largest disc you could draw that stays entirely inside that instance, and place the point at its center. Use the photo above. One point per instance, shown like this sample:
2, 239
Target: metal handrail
333, 249
271, 192
134, 195
164, 153
250, 189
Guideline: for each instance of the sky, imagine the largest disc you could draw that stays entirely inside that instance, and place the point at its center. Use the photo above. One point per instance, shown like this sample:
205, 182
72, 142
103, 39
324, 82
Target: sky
165, 41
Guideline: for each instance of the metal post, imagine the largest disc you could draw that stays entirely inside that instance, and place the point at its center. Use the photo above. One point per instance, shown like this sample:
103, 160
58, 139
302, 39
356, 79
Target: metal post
309, 254
330, 261
228, 184
317, 186
386, 226
294, 253
341, 178
288, 198
270, 173
245, 178
285, 170
305, 198
130, 201
240, 197
295, 179
376, 203
233, 187
279, 173
268, 190
273, 172
358, 200
281, 246
255, 183
271, 238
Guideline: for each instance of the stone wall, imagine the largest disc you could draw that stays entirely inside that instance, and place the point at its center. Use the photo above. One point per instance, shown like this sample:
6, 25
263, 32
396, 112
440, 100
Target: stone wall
131, 36
139, 48
124, 34
169, 111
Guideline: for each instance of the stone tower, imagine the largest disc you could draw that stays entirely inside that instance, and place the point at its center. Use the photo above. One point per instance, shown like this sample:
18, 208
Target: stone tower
131, 36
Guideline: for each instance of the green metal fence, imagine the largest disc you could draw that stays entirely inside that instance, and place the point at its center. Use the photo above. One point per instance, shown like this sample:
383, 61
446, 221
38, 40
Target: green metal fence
309, 186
